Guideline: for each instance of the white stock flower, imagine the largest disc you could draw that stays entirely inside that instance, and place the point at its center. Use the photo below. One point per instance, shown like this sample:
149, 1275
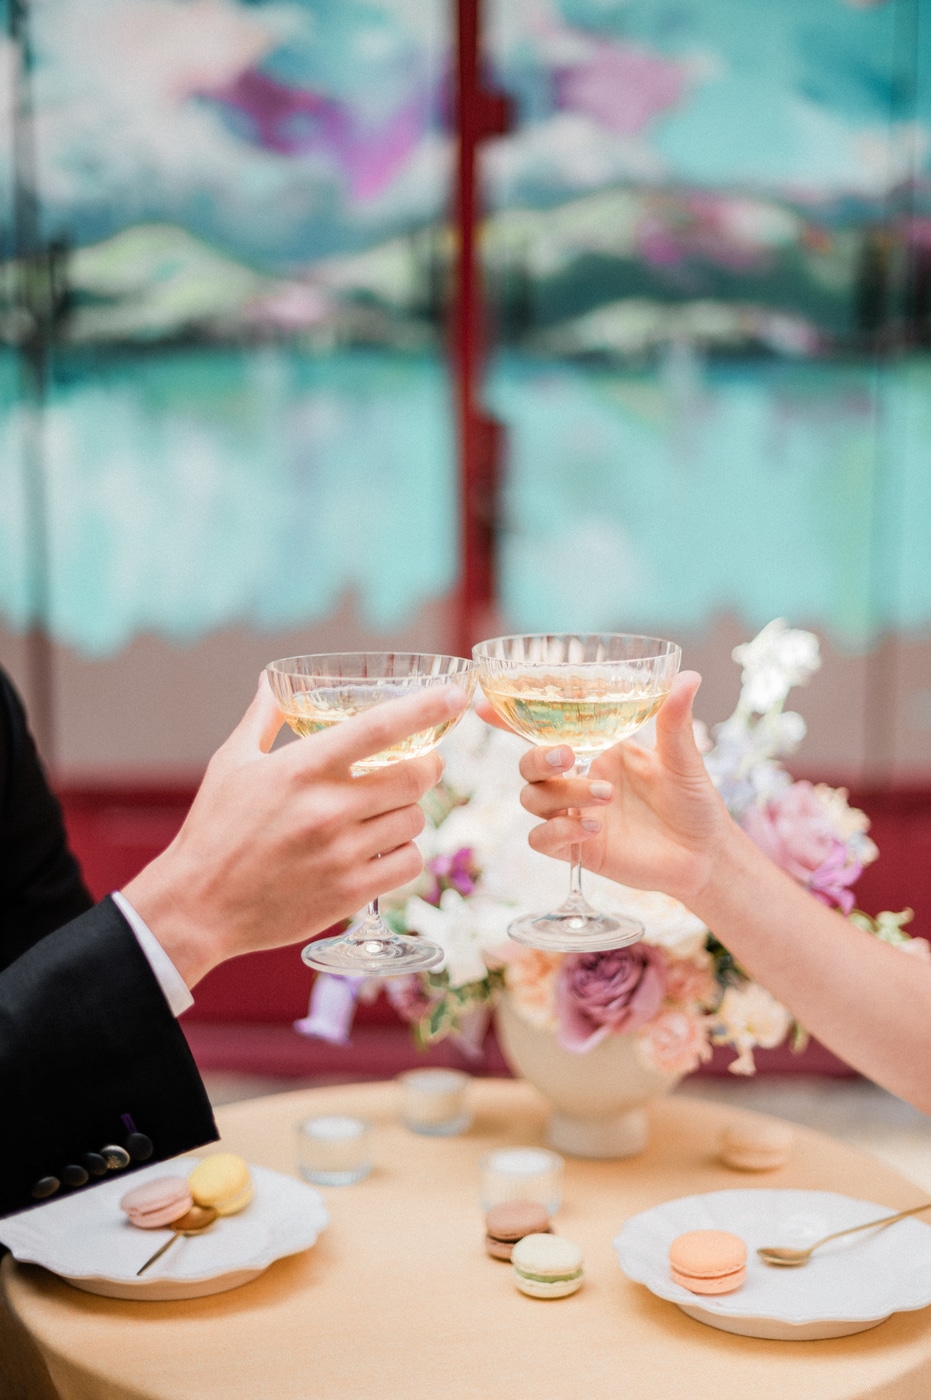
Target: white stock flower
777, 659
464, 929
780, 732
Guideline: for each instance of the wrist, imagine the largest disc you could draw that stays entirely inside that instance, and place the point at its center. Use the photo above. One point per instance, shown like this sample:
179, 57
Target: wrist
162, 896
732, 868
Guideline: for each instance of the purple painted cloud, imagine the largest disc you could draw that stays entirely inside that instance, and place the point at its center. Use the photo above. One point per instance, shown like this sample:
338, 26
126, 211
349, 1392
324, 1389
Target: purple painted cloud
620, 86
295, 122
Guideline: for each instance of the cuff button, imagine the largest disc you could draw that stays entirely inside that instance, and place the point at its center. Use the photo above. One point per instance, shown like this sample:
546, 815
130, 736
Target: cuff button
74, 1175
139, 1147
94, 1163
115, 1157
46, 1186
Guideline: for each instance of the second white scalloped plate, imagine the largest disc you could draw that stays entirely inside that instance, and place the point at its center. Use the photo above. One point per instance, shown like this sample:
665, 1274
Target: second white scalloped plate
88, 1241
847, 1286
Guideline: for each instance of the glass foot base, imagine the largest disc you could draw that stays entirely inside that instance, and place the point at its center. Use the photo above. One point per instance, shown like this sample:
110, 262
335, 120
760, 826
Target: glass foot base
393, 956
574, 931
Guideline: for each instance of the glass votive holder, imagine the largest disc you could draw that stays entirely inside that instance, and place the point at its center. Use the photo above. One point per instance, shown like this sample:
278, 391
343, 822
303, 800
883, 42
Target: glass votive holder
521, 1174
433, 1101
334, 1150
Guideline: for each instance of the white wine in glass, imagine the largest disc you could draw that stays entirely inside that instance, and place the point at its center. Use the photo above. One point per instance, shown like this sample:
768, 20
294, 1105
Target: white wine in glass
589, 690
316, 692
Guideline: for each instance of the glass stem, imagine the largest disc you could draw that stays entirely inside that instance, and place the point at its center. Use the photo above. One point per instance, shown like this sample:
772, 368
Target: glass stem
575, 877
369, 926
575, 901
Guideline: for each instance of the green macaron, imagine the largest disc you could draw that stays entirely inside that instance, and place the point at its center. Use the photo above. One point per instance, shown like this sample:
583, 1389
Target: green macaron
547, 1266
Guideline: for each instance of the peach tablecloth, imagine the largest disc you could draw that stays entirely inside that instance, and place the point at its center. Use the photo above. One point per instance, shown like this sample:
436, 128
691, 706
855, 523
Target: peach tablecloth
398, 1301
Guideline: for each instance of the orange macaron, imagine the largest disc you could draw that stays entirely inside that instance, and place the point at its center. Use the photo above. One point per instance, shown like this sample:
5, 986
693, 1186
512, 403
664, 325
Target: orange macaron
708, 1261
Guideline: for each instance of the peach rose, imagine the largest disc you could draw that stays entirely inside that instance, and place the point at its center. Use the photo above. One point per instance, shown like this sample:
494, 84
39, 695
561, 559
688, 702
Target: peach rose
675, 1041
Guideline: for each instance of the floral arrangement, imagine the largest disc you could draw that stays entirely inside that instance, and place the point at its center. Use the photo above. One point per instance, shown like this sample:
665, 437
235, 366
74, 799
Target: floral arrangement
679, 991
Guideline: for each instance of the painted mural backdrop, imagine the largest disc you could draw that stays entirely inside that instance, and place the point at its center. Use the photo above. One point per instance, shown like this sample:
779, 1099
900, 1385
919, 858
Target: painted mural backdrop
229, 374
709, 256
710, 253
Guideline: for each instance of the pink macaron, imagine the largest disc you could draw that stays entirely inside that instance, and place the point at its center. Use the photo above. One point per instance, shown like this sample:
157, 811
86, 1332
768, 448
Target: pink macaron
158, 1202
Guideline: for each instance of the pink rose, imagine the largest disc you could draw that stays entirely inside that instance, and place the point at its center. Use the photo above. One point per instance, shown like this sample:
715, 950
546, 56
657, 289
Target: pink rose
601, 993
795, 829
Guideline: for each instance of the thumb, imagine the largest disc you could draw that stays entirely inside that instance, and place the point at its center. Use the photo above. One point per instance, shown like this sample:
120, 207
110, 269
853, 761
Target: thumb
259, 725
675, 741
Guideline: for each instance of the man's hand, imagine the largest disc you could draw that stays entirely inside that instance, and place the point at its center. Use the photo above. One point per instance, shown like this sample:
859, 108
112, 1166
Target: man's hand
278, 846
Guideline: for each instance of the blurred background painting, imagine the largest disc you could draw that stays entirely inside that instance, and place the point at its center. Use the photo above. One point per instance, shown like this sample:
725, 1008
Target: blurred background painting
234, 337
226, 405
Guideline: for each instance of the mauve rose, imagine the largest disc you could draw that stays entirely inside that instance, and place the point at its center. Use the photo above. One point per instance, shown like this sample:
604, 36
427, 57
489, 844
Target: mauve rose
601, 993
796, 830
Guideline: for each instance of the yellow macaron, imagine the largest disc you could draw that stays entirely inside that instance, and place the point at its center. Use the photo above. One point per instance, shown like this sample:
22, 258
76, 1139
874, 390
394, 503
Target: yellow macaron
222, 1181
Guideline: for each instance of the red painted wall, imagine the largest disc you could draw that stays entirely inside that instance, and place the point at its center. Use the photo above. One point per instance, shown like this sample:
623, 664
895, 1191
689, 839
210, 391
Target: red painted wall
114, 832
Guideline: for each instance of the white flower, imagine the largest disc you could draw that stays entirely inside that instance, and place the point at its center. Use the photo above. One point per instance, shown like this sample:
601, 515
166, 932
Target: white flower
747, 1016
780, 732
464, 929
849, 822
668, 923
777, 659
917, 948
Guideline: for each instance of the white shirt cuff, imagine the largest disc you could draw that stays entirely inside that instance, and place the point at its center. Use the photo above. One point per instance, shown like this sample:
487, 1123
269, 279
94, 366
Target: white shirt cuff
176, 991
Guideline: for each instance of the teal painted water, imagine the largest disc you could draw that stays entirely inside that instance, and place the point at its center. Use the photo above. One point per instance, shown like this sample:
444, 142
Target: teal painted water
193, 489
763, 489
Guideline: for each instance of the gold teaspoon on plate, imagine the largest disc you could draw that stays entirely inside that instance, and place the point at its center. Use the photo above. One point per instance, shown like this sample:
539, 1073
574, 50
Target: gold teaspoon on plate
196, 1219
791, 1258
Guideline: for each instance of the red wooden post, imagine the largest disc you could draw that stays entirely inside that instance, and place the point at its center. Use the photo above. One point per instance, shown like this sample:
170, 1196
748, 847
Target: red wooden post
480, 113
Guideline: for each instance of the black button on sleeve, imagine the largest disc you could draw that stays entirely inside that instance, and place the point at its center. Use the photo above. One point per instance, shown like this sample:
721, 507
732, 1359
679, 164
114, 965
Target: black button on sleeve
74, 1175
139, 1147
94, 1163
115, 1157
46, 1186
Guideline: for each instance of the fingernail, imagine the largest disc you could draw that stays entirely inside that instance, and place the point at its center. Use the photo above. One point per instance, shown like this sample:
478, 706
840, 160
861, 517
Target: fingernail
560, 758
457, 700
591, 825
601, 790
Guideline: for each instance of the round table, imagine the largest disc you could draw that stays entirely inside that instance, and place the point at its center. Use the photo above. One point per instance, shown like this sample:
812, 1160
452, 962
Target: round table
398, 1300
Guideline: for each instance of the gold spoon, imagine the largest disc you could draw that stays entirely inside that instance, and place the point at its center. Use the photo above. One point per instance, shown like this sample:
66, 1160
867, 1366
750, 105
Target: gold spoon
197, 1218
791, 1258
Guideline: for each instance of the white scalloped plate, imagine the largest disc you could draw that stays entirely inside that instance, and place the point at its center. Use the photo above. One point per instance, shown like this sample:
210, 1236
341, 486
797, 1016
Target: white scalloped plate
848, 1286
87, 1240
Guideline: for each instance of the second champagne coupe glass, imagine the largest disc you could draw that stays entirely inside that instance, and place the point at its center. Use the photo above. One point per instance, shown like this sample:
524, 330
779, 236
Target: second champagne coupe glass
589, 690
316, 692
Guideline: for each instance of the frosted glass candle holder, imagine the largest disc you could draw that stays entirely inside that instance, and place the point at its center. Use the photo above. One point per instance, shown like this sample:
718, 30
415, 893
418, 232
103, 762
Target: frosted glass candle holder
334, 1150
434, 1101
521, 1174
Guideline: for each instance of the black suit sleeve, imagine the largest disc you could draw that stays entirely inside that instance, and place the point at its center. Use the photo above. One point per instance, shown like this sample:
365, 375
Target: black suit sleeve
40, 882
89, 1048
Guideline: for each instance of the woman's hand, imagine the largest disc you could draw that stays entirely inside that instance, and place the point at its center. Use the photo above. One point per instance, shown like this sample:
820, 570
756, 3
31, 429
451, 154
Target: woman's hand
649, 818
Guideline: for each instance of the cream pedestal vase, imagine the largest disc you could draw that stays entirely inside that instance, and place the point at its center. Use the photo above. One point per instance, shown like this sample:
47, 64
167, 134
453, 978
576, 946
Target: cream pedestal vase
598, 1098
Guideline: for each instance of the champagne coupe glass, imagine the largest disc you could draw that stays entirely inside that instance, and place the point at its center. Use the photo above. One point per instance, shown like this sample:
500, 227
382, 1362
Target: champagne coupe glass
313, 694
589, 690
